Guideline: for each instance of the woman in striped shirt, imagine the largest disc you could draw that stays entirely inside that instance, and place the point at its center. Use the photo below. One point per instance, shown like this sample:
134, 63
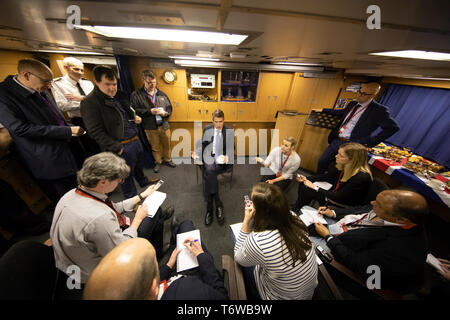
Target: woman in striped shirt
276, 242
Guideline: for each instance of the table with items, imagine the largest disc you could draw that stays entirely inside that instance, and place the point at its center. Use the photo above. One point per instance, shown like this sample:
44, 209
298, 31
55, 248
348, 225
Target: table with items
426, 177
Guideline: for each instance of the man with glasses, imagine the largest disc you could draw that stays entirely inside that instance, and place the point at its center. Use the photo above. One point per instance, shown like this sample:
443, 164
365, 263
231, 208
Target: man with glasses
39, 131
155, 108
112, 123
358, 121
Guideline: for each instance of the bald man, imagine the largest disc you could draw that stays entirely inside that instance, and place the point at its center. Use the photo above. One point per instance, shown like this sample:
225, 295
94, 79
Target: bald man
358, 121
40, 133
390, 236
130, 272
69, 90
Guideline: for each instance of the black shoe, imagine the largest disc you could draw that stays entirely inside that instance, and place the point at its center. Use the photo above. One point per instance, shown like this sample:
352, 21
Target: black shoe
150, 181
170, 164
220, 215
208, 217
168, 213
156, 168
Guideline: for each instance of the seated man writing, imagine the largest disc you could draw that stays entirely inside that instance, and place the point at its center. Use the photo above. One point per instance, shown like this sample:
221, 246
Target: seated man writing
391, 236
137, 259
283, 163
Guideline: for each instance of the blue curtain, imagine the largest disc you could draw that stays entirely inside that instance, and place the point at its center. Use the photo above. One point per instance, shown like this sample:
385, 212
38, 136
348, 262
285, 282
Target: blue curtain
423, 115
125, 81
126, 85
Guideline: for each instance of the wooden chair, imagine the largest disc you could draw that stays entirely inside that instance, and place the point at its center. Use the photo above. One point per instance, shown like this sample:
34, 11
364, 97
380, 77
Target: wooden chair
329, 281
236, 285
384, 294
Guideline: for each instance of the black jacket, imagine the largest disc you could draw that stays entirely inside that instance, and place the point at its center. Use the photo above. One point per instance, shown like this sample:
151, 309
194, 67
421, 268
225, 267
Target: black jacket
42, 145
104, 122
209, 286
400, 253
142, 104
352, 192
375, 116
204, 148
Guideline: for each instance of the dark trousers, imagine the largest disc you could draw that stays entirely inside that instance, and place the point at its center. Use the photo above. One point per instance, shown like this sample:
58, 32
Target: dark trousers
210, 183
185, 226
89, 145
306, 195
152, 229
283, 184
56, 188
133, 153
328, 155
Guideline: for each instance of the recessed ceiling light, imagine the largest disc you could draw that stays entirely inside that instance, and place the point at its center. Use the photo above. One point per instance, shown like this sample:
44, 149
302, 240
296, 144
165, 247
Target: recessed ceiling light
296, 63
415, 54
74, 52
166, 34
194, 58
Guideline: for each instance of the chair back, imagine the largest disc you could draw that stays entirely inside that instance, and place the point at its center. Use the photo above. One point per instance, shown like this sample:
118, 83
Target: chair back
375, 188
27, 272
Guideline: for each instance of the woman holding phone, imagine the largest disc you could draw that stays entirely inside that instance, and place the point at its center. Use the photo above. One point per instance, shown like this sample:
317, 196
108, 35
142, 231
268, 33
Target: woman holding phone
275, 241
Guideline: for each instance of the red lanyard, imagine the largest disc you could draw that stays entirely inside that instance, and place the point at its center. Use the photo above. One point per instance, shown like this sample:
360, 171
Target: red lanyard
281, 159
122, 220
87, 195
354, 115
152, 98
338, 184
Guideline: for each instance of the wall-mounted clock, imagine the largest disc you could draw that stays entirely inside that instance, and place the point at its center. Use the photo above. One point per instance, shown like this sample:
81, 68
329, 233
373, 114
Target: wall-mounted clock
170, 76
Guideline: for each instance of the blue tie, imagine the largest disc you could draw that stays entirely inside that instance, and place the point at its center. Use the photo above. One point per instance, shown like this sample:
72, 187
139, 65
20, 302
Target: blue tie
217, 138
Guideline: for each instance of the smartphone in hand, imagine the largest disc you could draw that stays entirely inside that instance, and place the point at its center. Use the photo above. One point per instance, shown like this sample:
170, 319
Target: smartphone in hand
247, 201
158, 184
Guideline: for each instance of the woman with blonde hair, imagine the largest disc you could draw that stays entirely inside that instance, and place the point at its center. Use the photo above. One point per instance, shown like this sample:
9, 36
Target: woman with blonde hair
275, 241
350, 179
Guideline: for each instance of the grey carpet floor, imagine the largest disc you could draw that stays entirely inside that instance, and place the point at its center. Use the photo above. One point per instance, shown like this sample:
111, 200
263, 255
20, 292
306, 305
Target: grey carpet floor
185, 194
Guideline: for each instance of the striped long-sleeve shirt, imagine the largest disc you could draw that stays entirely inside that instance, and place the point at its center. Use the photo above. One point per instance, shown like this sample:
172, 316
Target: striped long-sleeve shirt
275, 277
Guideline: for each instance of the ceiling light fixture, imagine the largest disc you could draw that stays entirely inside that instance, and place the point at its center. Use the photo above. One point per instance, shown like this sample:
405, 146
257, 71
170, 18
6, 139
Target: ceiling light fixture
74, 52
166, 34
245, 66
415, 54
194, 58
296, 63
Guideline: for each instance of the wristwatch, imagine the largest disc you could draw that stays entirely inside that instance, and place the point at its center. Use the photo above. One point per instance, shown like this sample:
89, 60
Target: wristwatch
140, 197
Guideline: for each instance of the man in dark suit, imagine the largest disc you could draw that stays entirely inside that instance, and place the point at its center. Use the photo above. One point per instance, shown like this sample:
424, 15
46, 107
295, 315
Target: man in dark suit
111, 122
39, 131
392, 237
216, 151
359, 120
136, 259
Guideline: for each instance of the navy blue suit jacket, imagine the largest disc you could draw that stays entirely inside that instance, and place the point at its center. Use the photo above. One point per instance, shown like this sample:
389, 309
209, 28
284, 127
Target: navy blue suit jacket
208, 285
375, 116
39, 141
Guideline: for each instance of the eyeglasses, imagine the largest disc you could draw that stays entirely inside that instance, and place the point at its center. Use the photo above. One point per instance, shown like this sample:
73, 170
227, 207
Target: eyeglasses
43, 80
364, 93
